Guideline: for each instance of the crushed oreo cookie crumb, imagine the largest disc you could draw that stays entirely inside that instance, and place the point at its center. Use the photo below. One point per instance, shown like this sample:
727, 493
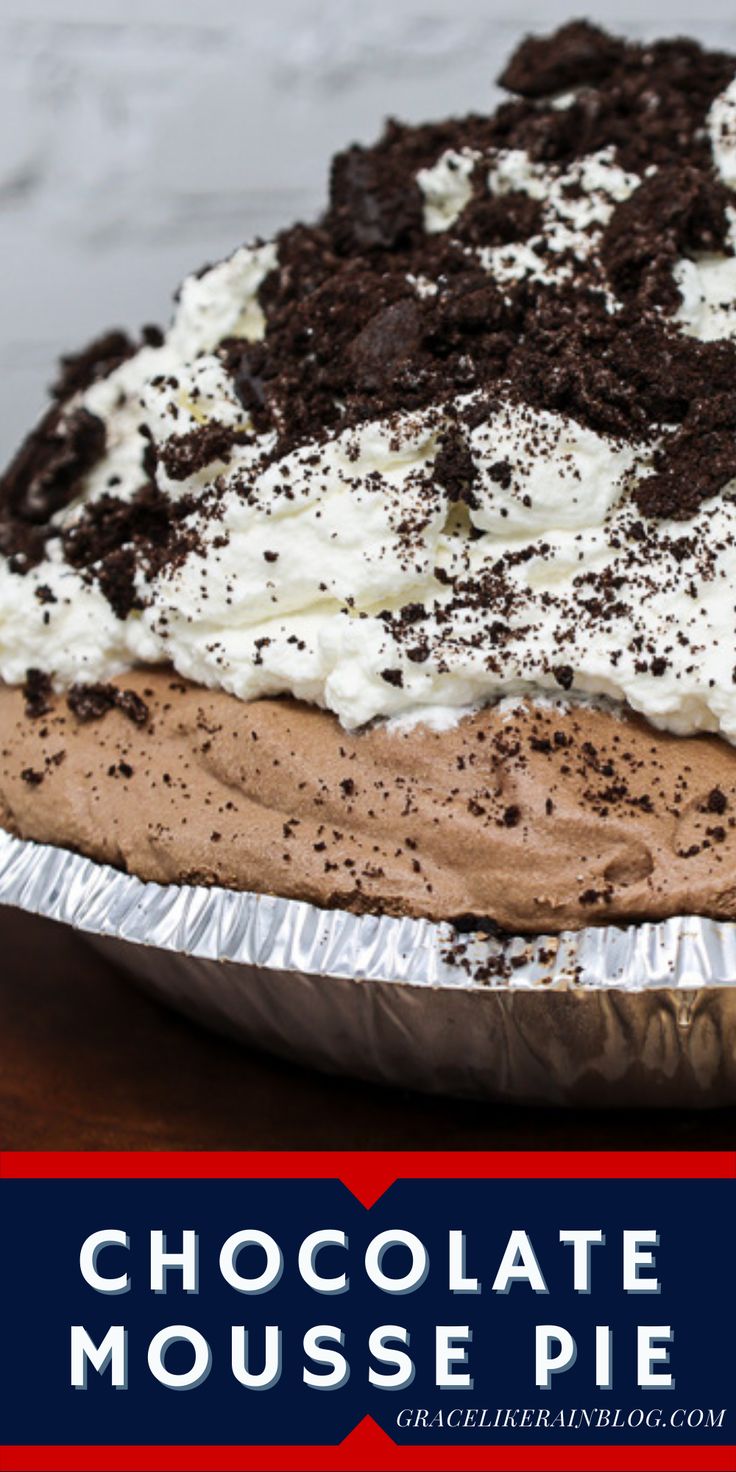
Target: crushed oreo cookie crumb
91, 702
37, 693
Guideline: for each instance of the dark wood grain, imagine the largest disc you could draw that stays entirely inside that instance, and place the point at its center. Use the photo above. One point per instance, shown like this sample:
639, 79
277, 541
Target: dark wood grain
89, 1062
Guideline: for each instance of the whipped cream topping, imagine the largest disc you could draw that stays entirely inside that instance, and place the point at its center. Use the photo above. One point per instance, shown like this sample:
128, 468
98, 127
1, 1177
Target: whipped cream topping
475, 545
707, 282
721, 125
575, 205
447, 188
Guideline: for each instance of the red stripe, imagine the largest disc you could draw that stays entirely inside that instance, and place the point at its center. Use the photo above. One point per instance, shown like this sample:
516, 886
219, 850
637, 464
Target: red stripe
369, 1173
365, 1456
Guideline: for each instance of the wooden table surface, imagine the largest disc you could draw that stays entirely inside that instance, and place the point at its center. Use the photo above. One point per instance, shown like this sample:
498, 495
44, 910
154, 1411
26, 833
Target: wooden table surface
89, 1062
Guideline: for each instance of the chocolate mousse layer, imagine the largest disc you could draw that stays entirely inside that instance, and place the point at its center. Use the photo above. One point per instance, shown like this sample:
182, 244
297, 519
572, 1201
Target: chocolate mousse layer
538, 818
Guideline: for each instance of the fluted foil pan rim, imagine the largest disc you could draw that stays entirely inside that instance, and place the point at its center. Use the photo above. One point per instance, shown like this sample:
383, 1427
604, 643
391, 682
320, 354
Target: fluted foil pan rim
273, 933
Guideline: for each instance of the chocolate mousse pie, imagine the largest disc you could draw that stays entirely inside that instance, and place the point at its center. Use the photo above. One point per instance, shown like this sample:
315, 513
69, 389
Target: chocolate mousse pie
399, 573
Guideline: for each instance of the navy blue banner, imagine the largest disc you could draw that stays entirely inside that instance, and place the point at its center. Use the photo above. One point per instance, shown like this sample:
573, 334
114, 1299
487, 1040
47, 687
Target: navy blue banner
281, 1312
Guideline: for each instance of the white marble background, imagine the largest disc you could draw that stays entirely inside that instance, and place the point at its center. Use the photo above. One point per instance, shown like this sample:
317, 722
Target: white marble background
138, 140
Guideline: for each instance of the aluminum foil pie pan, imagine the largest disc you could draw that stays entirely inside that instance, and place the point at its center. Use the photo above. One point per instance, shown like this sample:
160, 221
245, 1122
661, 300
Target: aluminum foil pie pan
641, 1015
